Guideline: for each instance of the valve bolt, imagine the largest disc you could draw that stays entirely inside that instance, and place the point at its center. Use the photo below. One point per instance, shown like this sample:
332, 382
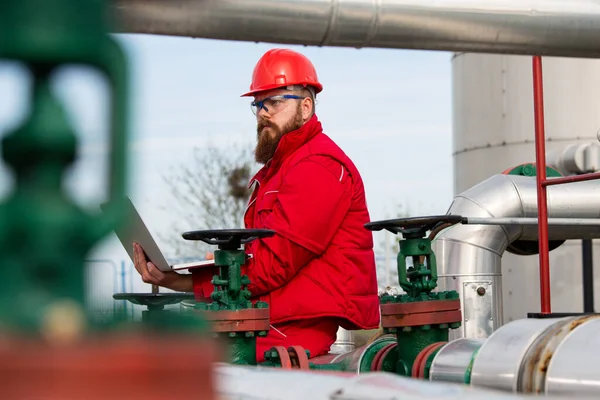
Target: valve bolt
481, 290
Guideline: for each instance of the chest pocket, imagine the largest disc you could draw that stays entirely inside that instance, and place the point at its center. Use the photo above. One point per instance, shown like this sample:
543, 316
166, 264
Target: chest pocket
265, 205
268, 201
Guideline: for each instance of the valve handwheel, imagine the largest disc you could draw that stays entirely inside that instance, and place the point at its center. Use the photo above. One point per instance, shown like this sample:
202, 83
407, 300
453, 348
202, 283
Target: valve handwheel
153, 300
413, 225
228, 239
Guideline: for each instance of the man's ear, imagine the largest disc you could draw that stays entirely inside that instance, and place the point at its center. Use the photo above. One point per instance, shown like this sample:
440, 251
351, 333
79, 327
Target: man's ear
307, 107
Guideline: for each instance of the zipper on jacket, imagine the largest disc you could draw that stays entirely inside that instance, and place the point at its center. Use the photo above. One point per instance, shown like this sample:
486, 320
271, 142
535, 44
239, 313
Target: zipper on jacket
253, 200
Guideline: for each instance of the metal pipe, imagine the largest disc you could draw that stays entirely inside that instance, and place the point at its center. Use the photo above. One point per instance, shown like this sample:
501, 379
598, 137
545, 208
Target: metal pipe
453, 362
531, 221
575, 158
573, 368
358, 360
551, 356
499, 359
567, 28
469, 256
571, 179
542, 203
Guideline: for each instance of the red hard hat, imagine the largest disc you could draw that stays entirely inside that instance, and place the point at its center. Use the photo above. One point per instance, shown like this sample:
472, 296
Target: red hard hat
283, 67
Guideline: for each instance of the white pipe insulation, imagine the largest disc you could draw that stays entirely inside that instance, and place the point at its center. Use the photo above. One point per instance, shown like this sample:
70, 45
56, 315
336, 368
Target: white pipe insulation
469, 256
567, 28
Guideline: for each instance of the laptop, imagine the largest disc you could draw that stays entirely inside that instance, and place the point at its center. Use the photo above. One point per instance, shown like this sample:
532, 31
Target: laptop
136, 231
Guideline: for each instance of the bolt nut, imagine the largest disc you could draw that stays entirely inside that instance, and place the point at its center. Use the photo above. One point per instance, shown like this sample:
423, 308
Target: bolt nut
261, 304
481, 290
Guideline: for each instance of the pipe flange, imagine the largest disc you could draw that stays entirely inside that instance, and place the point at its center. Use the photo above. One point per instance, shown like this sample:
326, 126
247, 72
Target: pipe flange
298, 357
377, 363
419, 313
281, 354
243, 320
420, 363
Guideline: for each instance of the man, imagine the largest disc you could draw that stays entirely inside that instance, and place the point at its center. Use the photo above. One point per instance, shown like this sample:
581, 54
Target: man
318, 272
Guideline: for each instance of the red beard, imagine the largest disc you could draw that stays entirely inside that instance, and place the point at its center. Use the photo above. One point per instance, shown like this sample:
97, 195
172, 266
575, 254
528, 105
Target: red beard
266, 144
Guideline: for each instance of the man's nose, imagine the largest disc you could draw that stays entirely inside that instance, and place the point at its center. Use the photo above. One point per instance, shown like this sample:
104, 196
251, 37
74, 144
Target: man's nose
262, 113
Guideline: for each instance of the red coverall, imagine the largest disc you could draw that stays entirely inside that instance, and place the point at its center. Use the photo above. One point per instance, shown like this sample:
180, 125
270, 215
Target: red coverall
318, 271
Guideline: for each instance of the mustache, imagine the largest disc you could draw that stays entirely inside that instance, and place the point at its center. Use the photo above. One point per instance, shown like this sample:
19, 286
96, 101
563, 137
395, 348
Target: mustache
263, 123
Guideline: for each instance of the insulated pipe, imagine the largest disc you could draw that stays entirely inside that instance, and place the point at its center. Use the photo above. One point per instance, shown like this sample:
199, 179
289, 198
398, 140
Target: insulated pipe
568, 28
454, 361
580, 158
551, 356
469, 256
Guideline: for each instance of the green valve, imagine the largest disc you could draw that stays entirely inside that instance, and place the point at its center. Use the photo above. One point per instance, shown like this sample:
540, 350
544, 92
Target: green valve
529, 169
421, 277
231, 307
44, 235
403, 315
530, 247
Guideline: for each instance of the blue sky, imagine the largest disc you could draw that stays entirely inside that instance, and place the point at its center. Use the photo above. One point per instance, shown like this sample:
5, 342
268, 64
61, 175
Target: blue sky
390, 110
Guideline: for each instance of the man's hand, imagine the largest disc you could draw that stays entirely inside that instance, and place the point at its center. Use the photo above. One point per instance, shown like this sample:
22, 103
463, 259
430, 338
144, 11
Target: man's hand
151, 274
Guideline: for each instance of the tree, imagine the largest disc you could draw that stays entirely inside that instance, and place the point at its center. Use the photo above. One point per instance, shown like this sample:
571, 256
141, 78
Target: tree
211, 192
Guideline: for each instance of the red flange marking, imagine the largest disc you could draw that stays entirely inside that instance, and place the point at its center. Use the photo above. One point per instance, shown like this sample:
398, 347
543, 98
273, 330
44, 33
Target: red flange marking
298, 357
284, 357
378, 355
418, 368
417, 362
378, 365
429, 353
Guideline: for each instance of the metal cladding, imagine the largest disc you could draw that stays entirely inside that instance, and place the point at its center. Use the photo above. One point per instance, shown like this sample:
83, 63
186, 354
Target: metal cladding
557, 28
453, 362
574, 367
469, 256
554, 356
344, 342
498, 361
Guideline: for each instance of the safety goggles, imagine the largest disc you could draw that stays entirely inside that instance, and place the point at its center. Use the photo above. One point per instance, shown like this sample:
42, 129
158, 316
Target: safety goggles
273, 104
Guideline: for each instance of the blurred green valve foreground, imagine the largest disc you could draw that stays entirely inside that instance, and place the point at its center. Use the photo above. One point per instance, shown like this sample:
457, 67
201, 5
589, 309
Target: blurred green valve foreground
44, 235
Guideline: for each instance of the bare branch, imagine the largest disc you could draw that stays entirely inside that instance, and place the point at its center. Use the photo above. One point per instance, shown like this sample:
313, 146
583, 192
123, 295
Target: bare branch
208, 193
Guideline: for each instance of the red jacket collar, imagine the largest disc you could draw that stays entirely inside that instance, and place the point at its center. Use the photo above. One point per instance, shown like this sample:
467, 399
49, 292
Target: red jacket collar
289, 143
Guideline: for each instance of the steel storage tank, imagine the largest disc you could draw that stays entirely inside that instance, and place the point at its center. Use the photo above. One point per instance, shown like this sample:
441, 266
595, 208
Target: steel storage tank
493, 130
